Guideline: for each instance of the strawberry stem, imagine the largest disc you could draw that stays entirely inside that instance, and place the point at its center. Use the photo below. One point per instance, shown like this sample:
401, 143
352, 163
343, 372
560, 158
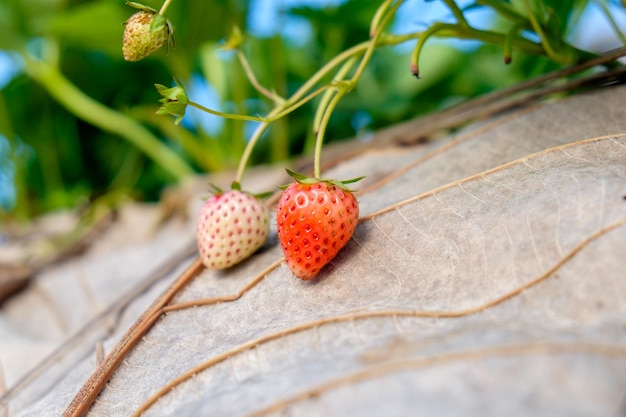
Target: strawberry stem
164, 7
319, 140
344, 87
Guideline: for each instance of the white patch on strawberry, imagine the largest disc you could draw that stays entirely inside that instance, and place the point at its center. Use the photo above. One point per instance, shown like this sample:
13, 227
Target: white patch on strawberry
231, 226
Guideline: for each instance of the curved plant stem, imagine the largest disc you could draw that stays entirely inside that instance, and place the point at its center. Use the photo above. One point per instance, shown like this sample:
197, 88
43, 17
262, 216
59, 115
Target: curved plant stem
383, 16
378, 16
227, 115
539, 30
457, 12
164, 7
91, 111
321, 107
296, 100
503, 8
275, 114
248, 150
457, 31
612, 21
511, 35
437, 27
322, 131
300, 96
301, 102
255, 83
348, 86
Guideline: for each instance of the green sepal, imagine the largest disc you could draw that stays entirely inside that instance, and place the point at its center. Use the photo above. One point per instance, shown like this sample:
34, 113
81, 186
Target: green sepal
174, 101
295, 175
343, 184
215, 189
158, 22
263, 196
303, 179
352, 181
140, 6
235, 185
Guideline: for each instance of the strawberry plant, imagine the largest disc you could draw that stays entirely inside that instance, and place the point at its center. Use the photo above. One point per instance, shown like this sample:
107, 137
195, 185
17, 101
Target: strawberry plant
317, 217
68, 64
451, 227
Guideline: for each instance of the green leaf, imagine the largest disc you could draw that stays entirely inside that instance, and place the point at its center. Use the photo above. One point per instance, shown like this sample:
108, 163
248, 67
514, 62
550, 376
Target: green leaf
353, 180
297, 176
140, 6
303, 179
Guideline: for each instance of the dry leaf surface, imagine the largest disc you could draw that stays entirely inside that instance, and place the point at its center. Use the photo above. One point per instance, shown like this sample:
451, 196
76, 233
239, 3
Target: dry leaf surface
486, 277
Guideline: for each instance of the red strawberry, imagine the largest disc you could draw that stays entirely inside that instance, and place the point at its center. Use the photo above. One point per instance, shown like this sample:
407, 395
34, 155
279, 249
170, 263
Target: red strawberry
231, 226
315, 219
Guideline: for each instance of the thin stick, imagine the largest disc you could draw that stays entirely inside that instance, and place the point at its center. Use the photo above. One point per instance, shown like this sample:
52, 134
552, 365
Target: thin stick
255, 83
164, 7
90, 390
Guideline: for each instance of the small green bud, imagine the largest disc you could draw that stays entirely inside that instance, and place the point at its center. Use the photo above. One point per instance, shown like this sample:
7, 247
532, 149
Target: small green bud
174, 101
235, 39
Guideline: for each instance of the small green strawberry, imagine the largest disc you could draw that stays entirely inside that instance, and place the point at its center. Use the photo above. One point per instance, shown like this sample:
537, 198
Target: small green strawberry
146, 31
315, 219
231, 226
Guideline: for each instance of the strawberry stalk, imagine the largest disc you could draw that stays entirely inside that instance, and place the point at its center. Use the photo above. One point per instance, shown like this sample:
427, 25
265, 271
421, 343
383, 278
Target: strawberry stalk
344, 87
322, 131
166, 4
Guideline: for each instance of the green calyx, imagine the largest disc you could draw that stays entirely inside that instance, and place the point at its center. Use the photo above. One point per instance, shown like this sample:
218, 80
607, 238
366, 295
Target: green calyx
174, 101
303, 179
235, 185
140, 6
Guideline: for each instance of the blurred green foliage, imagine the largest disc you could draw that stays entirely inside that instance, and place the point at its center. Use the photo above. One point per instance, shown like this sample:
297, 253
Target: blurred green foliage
57, 157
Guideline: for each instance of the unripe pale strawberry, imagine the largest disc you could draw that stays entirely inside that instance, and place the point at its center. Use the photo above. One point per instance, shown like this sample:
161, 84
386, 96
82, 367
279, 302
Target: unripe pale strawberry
231, 226
139, 40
